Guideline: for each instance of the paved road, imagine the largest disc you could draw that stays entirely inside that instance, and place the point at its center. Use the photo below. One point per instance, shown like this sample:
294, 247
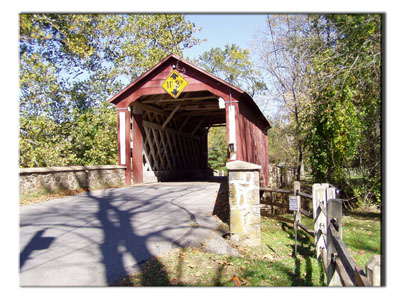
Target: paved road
97, 238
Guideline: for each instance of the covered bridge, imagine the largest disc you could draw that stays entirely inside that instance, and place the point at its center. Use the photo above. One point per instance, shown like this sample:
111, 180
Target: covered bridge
164, 117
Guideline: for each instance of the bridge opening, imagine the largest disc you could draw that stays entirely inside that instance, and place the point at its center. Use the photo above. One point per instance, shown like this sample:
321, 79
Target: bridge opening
175, 135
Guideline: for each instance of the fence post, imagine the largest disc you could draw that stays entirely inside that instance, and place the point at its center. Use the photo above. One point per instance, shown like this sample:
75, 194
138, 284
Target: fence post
334, 211
373, 267
319, 199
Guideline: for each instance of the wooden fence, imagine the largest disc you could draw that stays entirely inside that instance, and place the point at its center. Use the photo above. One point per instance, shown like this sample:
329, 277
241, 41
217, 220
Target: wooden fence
301, 199
339, 265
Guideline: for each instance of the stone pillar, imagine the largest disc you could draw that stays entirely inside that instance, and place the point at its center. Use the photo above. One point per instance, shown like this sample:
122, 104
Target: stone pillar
244, 202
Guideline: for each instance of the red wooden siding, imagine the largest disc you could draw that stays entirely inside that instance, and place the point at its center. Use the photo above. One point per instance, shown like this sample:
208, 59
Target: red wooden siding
253, 145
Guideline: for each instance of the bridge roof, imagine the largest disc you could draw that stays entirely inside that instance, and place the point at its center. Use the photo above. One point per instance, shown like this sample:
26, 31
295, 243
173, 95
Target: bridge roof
202, 84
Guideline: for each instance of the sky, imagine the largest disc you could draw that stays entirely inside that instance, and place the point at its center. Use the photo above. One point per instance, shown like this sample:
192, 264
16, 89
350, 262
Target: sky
222, 29
219, 30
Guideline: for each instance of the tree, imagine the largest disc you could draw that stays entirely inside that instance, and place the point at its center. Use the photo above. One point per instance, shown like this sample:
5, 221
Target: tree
233, 65
70, 64
345, 116
285, 56
325, 72
217, 153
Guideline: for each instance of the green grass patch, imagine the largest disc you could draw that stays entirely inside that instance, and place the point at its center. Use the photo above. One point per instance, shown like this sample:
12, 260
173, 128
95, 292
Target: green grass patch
272, 264
362, 235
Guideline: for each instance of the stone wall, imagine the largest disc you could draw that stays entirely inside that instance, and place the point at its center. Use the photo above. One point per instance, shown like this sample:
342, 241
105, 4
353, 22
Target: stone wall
71, 178
280, 176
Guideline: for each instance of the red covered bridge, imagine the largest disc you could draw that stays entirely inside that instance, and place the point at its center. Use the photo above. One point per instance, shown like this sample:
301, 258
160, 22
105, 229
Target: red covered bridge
164, 117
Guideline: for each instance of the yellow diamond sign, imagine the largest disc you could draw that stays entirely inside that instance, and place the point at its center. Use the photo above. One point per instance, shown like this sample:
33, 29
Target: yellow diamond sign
174, 84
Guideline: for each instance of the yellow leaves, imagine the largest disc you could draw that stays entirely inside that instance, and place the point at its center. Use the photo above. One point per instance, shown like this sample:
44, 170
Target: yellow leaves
225, 263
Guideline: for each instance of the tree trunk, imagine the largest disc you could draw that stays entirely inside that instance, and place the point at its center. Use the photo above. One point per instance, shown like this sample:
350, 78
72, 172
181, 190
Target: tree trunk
299, 162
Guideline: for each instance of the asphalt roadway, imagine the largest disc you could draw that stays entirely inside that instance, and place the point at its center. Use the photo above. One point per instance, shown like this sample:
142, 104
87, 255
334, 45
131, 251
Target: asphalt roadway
98, 238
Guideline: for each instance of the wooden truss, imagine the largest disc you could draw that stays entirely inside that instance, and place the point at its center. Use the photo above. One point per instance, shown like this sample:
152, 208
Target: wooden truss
170, 144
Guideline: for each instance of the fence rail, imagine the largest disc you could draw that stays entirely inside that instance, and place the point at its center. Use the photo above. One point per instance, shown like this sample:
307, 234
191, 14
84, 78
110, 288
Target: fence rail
267, 189
339, 265
285, 205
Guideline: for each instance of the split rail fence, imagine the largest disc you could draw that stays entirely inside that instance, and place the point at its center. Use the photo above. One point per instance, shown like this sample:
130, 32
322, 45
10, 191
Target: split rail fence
339, 265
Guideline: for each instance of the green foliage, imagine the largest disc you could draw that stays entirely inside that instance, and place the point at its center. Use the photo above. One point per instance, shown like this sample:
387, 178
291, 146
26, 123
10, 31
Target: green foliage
217, 153
233, 65
324, 76
280, 144
345, 115
89, 139
70, 64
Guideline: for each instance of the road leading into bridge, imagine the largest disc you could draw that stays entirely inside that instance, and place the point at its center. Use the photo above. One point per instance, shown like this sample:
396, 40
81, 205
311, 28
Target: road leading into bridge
97, 238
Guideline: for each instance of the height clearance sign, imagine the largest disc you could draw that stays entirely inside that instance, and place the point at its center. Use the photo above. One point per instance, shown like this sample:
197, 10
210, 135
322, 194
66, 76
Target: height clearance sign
174, 84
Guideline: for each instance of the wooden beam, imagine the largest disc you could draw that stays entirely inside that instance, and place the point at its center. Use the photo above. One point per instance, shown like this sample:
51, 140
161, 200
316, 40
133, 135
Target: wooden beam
306, 229
197, 127
168, 153
198, 108
308, 196
158, 126
267, 189
277, 204
153, 109
306, 213
169, 100
184, 122
344, 276
205, 113
360, 278
149, 138
343, 253
170, 116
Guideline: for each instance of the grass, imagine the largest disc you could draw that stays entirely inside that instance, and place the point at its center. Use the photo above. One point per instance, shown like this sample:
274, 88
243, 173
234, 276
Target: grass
272, 264
362, 235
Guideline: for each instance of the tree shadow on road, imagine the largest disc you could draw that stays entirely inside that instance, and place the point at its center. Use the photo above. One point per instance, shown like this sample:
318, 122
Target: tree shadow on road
123, 245
37, 243
121, 238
